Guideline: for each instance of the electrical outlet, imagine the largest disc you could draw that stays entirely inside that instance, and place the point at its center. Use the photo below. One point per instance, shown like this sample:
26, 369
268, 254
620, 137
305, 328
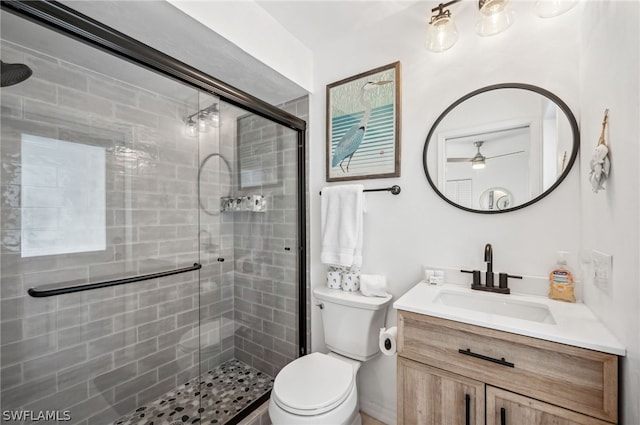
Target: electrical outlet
602, 270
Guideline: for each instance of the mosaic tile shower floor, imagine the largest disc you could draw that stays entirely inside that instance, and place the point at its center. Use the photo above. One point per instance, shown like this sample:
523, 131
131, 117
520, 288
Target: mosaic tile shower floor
213, 398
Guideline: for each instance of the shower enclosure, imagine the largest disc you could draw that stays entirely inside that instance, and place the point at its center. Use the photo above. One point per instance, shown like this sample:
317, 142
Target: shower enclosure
153, 231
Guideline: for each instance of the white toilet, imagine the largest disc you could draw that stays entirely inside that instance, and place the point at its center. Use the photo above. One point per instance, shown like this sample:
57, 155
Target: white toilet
320, 389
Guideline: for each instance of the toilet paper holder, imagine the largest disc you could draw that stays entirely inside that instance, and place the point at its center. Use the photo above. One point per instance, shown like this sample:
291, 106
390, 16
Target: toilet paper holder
387, 340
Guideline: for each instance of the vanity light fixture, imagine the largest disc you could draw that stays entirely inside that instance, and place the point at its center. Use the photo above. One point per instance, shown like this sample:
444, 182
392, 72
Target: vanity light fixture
202, 121
495, 16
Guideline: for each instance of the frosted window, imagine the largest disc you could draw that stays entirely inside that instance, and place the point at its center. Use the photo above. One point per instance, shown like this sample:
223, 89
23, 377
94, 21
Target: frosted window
63, 197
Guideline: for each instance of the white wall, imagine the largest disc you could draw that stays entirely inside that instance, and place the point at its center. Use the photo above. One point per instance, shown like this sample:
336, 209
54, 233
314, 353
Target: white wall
609, 74
417, 227
251, 28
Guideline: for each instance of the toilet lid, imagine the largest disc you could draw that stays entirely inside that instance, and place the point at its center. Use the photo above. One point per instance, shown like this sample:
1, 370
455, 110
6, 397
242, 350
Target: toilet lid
313, 384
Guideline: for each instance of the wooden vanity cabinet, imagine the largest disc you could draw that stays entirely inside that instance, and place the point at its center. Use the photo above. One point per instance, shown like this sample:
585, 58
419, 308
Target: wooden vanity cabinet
536, 382
436, 397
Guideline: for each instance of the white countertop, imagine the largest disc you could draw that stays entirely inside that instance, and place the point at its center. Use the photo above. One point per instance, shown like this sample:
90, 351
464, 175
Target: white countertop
574, 324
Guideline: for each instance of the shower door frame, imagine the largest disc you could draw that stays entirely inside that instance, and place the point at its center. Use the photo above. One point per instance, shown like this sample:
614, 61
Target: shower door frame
63, 19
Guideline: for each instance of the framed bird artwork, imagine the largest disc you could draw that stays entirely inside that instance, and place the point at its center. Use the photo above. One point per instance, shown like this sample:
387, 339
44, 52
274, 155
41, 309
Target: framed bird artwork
363, 125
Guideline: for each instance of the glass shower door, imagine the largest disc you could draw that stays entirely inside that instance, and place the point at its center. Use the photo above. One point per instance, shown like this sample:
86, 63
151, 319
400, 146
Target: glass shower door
98, 185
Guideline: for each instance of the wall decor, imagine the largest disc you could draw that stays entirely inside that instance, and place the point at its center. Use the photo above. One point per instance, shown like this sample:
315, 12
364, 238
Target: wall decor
363, 125
600, 164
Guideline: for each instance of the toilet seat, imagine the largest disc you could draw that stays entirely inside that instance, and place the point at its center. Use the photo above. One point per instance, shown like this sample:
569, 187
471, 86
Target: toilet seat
313, 384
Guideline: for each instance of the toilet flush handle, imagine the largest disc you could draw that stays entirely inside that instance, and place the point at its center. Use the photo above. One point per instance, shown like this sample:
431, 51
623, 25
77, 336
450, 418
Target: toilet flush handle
321, 305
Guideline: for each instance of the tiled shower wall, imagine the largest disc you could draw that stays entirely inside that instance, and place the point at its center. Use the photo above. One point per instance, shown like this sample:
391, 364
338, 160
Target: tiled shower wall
266, 245
101, 353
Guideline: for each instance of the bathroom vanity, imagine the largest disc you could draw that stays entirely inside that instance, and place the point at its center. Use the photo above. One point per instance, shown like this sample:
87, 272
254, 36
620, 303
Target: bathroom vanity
456, 366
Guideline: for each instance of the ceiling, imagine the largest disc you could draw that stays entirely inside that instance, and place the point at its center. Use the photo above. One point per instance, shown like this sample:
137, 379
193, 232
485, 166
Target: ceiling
315, 23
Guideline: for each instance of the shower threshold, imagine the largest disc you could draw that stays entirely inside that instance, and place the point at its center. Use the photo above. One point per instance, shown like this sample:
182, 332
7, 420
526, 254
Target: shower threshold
219, 396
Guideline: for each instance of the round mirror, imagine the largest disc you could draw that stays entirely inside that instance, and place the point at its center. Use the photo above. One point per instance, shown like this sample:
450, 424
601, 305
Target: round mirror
501, 148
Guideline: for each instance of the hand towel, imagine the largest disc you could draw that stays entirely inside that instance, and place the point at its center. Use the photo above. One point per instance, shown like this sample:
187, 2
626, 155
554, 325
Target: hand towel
341, 216
373, 285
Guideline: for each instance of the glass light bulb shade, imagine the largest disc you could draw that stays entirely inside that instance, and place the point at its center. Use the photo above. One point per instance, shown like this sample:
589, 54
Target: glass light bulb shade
213, 119
191, 128
495, 17
553, 8
203, 125
441, 34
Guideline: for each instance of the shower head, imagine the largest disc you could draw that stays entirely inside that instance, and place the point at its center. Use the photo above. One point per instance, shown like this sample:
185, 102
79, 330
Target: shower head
13, 73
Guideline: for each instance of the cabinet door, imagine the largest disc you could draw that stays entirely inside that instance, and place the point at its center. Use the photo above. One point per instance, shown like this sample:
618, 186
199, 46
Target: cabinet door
430, 396
507, 408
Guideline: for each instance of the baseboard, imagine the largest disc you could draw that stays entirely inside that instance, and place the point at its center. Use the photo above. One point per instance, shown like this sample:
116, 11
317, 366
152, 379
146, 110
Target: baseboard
381, 413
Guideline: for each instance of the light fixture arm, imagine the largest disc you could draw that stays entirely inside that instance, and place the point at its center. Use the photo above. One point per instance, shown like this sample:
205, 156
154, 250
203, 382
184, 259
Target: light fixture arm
213, 108
439, 8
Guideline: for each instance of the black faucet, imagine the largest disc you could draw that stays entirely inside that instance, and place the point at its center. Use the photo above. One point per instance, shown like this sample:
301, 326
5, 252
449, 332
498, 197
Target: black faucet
489, 286
488, 258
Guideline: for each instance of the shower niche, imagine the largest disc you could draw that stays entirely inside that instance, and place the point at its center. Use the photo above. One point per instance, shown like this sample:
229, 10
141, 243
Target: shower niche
150, 300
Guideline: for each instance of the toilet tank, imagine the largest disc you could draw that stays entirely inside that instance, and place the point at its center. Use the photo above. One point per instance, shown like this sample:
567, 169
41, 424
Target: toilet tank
351, 321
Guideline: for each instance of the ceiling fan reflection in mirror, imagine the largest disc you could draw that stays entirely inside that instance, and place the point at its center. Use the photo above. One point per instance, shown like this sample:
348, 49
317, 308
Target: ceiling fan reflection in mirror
478, 161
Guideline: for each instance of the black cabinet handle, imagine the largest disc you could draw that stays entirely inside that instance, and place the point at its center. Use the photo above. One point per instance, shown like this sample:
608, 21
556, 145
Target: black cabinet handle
501, 361
503, 416
467, 412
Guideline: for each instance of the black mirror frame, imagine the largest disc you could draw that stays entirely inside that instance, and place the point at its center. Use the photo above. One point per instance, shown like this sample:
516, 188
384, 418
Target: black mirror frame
563, 106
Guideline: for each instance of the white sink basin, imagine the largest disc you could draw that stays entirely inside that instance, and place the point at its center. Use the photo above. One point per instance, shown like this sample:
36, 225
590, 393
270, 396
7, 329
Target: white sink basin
523, 314
496, 304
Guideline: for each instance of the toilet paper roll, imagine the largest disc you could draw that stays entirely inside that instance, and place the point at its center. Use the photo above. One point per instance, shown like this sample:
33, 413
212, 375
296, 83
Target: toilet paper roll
334, 279
387, 340
351, 281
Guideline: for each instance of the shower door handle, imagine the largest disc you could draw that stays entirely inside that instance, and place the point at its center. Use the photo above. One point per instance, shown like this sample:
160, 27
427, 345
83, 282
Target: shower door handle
38, 293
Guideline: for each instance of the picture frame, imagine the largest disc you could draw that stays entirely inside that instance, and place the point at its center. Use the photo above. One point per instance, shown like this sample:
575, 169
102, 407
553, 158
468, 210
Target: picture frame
363, 125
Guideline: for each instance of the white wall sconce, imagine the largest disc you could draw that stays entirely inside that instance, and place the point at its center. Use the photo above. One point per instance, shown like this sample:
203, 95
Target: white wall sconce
202, 121
495, 16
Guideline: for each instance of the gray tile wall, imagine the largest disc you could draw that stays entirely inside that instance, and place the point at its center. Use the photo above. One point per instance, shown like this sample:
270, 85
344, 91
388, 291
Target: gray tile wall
265, 275
101, 353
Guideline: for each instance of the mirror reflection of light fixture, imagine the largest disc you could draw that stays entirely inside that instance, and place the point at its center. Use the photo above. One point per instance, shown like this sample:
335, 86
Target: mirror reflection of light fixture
495, 17
552, 8
478, 161
441, 32
202, 121
191, 127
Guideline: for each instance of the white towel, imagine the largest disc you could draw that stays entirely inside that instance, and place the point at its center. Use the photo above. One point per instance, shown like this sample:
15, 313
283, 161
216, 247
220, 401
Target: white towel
341, 219
373, 285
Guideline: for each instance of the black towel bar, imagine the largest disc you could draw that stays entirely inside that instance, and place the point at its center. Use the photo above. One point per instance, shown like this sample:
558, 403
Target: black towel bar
395, 190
